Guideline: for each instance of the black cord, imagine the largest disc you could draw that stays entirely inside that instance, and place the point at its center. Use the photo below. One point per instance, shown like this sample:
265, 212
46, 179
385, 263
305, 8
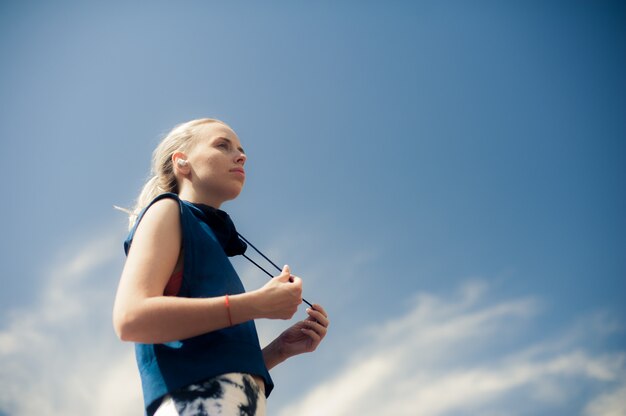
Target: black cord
266, 258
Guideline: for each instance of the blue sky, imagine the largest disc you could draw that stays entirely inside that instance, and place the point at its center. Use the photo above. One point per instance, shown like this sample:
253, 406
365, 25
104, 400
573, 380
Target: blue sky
447, 178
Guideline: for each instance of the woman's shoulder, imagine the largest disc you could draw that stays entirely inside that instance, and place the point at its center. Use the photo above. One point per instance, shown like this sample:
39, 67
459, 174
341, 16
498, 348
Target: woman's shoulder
162, 211
159, 222
163, 207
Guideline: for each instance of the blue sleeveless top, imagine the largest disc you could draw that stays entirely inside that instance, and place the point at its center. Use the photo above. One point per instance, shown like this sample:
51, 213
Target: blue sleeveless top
207, 272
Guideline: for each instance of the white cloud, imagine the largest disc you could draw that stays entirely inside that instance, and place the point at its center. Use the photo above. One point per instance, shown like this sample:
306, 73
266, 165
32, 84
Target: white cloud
452, 357
462, 354
61, 356
609, 404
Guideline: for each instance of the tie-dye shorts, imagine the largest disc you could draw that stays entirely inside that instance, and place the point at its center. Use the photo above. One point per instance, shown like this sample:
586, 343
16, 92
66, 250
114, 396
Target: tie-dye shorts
233, 394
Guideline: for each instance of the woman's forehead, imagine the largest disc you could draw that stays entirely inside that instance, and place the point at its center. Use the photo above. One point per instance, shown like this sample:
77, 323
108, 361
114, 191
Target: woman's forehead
215, 130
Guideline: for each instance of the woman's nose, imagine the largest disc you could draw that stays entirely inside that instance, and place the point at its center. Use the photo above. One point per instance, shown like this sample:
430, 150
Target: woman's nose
241, 158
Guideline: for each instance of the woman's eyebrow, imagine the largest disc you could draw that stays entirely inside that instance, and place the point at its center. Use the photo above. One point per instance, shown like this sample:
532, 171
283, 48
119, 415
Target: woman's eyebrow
231, 142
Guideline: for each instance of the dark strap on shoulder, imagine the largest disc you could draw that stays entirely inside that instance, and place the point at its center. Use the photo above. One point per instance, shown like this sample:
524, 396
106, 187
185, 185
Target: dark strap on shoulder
129, 239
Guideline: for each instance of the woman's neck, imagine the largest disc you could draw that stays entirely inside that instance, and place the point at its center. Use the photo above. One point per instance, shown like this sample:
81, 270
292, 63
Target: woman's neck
193, 197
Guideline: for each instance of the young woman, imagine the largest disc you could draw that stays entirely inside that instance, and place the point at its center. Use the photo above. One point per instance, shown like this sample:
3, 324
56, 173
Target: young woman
179, 298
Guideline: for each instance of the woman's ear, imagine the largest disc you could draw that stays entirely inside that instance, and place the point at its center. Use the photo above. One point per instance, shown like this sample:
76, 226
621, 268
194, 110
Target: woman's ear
180, 163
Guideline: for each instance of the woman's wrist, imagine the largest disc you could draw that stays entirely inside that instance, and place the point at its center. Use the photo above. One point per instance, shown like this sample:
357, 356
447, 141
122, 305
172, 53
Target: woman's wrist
273, 354
242, 307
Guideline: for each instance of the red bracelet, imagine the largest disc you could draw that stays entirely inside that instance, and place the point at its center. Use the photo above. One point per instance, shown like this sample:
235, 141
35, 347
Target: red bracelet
230, 319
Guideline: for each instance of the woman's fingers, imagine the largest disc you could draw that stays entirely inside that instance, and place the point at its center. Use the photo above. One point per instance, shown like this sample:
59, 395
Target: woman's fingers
319, 308
318, 315
315, 337
315, 326
285, 274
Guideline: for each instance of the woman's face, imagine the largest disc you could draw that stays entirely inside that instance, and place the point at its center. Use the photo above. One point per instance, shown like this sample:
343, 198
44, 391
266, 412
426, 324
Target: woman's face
216, 164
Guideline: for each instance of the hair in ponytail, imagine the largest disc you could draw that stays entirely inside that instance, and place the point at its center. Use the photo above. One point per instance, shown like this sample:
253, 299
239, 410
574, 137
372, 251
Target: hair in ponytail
180, 138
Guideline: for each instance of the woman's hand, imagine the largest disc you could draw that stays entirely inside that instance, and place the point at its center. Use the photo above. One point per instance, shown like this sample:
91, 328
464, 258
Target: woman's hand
303, 336
281, 296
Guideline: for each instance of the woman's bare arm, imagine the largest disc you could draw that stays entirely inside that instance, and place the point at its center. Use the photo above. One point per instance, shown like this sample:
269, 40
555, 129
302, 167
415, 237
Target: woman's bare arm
142, 314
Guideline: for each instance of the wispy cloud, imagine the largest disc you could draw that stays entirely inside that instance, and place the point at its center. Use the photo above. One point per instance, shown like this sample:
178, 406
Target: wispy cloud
450, 356
465, 353
612, 403
60, 356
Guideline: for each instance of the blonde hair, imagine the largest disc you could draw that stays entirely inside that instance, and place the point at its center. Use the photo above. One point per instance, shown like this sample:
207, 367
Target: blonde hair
180, 139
